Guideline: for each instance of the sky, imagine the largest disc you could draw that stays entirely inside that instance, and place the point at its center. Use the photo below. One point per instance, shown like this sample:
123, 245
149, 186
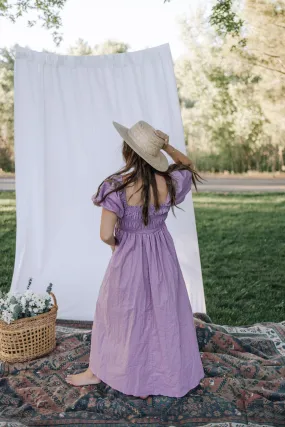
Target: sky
140, 23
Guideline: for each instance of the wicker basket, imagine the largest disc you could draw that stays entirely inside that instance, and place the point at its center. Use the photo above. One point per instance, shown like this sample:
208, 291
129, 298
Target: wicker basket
28, 338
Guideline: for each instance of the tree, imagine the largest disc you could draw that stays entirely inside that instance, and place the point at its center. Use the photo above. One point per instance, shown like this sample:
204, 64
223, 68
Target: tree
45, 11
81, 48
7, 59
6, 156
225, 19
232, 92
222, 115
108, 47
265, 52
264, 24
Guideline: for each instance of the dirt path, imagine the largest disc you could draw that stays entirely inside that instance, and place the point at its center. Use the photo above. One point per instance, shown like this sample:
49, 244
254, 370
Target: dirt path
242, 184
220, 184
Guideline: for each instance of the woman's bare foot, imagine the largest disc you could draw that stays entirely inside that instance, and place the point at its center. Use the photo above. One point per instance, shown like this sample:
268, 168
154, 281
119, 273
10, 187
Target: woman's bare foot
84, 378
144, 397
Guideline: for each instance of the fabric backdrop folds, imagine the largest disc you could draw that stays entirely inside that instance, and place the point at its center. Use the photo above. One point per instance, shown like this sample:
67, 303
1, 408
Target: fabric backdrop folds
65, 145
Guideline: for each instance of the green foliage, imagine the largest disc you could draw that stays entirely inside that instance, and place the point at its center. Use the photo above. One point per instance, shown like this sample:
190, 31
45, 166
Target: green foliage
46, 12
232, 110
49, 288
6, 156
224, 122
226, 21
110, 47
7, 59
228, 105
17, 312
81, 47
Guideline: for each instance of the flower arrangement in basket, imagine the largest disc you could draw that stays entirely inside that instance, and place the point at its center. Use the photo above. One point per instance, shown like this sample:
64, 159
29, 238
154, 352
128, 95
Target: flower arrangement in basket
27, 325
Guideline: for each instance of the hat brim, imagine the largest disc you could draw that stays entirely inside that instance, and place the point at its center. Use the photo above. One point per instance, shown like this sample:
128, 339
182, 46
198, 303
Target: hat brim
158, 162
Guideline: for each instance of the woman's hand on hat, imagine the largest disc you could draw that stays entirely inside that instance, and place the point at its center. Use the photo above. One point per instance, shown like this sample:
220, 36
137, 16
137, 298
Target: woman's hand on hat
163, 136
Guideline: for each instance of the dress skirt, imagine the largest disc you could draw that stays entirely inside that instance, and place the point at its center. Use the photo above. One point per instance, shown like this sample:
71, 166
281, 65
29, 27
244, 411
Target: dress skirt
143, 338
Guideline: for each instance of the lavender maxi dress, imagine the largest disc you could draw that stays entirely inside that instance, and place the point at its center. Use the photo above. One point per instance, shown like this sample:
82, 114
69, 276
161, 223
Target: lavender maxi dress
143, 338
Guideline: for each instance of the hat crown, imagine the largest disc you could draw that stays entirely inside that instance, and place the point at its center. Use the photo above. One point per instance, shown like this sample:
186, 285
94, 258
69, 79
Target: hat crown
143, 134
143, 140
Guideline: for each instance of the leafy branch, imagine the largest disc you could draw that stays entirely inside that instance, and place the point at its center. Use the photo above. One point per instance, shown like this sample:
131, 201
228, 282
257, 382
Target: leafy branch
46, 11
225, 20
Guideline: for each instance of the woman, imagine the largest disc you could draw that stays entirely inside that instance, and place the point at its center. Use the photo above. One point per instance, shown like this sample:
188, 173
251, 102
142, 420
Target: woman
143, 338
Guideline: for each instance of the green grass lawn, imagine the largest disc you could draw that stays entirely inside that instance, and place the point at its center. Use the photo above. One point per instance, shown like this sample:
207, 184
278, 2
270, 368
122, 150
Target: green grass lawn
242, 247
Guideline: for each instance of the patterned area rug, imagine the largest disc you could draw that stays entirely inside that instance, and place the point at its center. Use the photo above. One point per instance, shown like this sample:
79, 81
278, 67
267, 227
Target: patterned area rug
244, 384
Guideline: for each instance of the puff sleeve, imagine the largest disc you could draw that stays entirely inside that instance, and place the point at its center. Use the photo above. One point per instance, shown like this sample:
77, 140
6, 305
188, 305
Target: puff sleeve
183, 181
112, 202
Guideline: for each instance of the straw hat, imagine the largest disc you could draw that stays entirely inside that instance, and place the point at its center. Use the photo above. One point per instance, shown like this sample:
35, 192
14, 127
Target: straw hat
143, 140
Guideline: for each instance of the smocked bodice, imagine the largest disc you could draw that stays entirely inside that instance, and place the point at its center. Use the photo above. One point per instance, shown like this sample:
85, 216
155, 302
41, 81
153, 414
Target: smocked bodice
130, 217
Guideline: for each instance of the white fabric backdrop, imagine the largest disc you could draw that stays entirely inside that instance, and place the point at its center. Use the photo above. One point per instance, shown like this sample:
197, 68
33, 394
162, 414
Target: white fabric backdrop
65, 145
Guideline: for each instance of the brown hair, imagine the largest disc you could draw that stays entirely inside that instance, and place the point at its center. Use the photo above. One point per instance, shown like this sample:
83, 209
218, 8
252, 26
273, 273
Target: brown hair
138, 168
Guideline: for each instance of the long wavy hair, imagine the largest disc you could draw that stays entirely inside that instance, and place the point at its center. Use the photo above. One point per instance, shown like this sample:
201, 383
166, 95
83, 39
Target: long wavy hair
137, 168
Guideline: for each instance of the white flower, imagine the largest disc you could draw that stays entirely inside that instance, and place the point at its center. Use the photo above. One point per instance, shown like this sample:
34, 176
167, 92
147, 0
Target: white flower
23, 303
8, 299
7, 316
30, 301
28, 293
